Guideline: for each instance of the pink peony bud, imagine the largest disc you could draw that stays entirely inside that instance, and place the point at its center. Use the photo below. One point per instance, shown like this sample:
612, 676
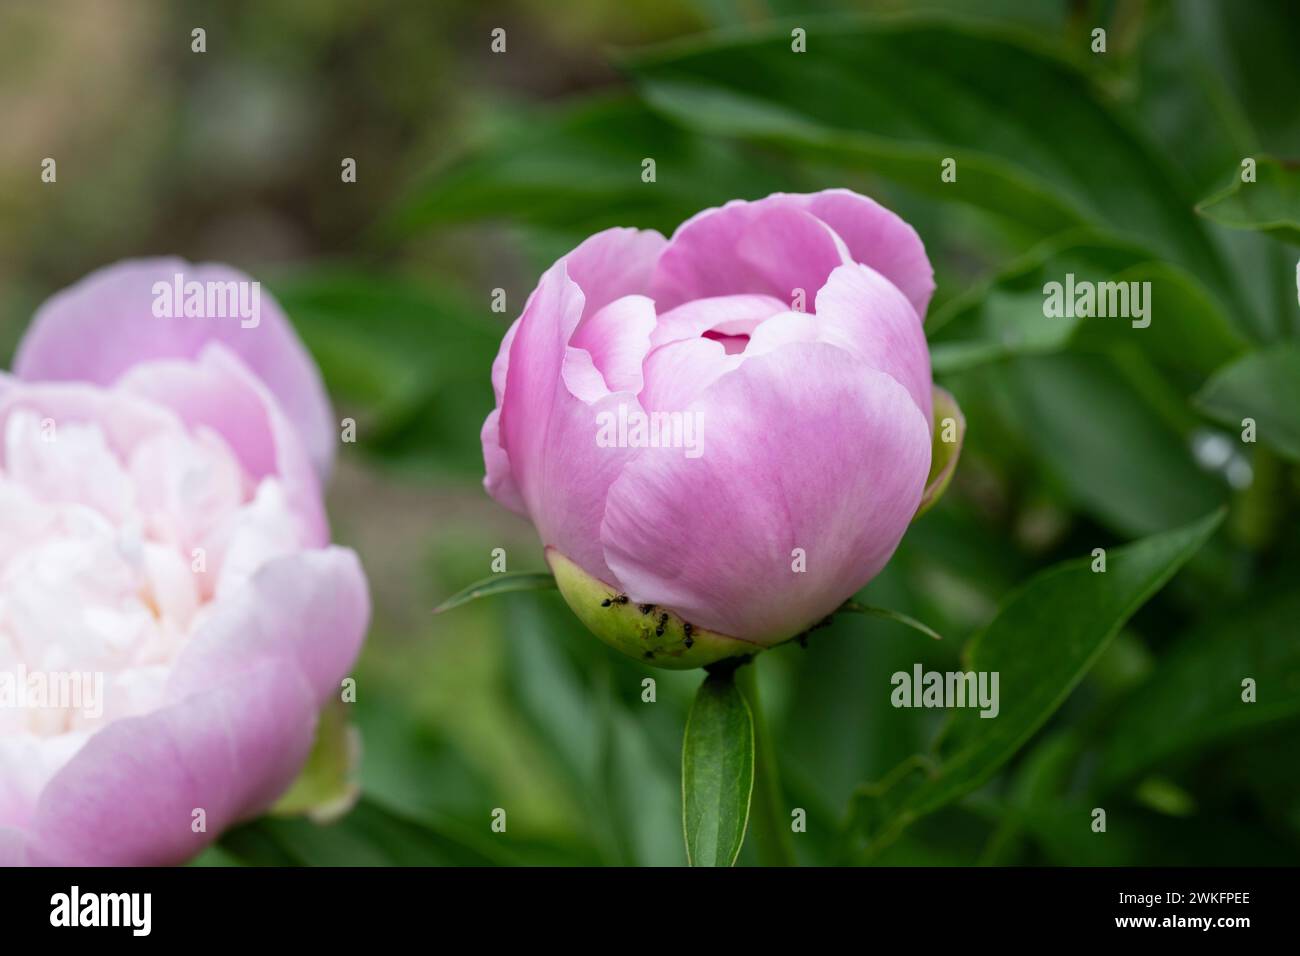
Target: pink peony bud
165, 569
722, 436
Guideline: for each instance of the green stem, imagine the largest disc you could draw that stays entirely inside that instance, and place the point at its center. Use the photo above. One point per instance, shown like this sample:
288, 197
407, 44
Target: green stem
769, 817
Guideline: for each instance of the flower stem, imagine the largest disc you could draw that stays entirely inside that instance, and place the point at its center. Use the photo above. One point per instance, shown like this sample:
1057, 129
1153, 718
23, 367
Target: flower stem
768, 817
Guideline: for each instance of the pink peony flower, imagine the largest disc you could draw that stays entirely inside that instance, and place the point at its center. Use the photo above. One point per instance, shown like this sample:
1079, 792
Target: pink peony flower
722, 436
172, 615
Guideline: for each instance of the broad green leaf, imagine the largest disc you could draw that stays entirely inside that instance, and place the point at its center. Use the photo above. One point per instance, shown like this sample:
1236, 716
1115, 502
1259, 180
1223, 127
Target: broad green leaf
1108, 447
368, 836
579, 168
1195, 697
1179, 324
407, 360
551, 697
1270, 204
1042, 642
1263, 386
503, 583
899, 95
717, 772
641, 787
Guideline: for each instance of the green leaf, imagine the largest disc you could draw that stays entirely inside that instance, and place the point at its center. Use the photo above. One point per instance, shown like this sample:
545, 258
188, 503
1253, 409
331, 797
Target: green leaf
1195, 698
579, 168
856, 607
1184, 327
1265, 386
1042, 642
1010, 111
640, 788
717, 772
1084, 419
1271, 204
368, 836
503, 583
406, 359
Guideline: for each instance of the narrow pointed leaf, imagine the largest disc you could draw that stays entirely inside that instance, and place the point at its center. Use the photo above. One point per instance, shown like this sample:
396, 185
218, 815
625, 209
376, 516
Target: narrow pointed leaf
1270, 204
1042, 642
717, 772
896, 616
499, 584
1264, 387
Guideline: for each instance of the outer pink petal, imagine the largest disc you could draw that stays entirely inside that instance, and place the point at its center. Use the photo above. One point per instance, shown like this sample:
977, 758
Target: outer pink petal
498, 478
217, 391
13, 851
861, 310
804, 447
243, 702
607, 266
549, 433
614, 263
878, 238
100, 327
770, 247
311, 608
128, 797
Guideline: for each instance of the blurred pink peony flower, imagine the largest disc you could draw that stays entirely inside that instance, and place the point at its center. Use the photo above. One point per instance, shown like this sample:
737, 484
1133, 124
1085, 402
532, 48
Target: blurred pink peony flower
732, 426
172, 616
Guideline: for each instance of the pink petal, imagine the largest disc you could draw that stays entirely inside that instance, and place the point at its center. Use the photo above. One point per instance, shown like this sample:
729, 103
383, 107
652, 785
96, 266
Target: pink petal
618, 337
498, 480
128, 797
876, 237
735, 314
126, 420
607, 266
243, 700
679, 372
613, 264
311, 608
97, 329
549, 433
13, 852
801, 448
860, 310
771, 247
218, 391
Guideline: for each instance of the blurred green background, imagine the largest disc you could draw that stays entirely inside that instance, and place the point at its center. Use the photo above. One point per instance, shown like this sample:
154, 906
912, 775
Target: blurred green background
475, 170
